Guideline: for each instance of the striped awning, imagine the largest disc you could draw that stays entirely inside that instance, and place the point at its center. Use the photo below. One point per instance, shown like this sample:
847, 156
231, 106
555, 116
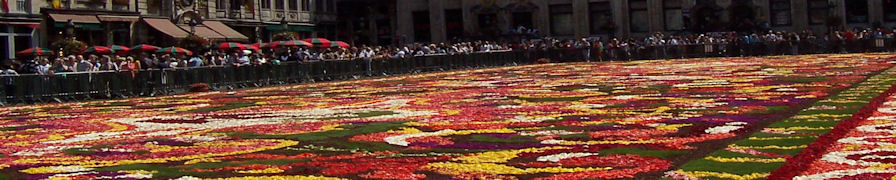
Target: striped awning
165, 26
226, 31
204, 32
111, 18
90, 19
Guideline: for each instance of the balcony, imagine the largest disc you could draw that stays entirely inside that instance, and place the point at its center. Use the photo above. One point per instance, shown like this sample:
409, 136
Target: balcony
90, 4
266, 13
234, 14
221, 13
324, 17
275, 15
22, 7
120, 7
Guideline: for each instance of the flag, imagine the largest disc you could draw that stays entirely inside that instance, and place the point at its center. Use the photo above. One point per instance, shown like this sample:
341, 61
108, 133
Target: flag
57, 4
5, 6
249, 5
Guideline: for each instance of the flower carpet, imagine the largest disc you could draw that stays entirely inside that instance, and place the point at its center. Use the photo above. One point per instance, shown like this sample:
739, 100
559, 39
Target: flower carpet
643, 119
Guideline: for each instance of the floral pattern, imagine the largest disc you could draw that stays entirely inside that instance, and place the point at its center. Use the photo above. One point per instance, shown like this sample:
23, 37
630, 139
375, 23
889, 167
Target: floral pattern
770, 148
550, 121
858, 148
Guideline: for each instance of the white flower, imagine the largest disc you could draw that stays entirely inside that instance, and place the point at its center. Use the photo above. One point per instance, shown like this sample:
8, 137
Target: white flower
626, 97
552, 141
401, 140
843, 173
146, 128
588, 106
561, 156
522, 118
134, 176
547, 133
187, 178
727, 128
786, 89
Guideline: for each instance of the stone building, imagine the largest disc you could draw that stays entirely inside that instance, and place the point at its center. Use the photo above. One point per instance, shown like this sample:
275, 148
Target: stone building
444, 20
30, 23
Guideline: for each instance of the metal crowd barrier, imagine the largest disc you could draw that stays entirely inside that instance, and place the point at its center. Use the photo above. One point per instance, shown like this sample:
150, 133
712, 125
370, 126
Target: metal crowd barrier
32, 88
27, 89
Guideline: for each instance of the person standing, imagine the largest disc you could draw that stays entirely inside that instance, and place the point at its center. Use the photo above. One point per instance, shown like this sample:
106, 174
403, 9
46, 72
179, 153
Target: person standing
83, 65
195, 61
8, 76
44, 68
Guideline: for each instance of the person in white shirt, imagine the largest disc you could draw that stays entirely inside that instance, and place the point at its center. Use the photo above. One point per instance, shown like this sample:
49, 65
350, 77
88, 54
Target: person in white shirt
243, 60
83, 65
7, 75
44, 67
195, 61
400, 54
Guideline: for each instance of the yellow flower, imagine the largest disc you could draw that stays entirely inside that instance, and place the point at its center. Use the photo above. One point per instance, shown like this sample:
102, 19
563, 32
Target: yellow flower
775, 138
499, 156
744, 159
672, 126
54, 169
706, 174
261, 171
492, 168
281, 178
768, 147
201, 160
86, 162
800, 128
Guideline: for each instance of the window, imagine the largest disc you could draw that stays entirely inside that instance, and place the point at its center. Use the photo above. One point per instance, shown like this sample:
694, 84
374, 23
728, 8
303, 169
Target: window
638, 18
219, 4
890, 10
165, 7
62, 4
818, 11
488, 22
561, 20
120, 5
4, 47
523, 19
278, 4
22, 30
22, 43
318, 6
155, 3
421, 26
294, 5
265, 4
454, 23
235, 5
780, 12
600, 16
856, 11
306, 5
672, 14
22, 6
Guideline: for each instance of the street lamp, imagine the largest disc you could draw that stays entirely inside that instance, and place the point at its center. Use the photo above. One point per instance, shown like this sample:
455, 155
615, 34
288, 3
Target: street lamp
69, 28
193, 23
284, 24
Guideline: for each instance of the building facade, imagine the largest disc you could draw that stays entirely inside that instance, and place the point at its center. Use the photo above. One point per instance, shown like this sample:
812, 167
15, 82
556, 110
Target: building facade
444, 20
20, 26
31, 23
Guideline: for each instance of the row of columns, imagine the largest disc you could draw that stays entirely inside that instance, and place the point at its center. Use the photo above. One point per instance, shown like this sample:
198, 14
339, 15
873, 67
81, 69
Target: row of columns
620, 10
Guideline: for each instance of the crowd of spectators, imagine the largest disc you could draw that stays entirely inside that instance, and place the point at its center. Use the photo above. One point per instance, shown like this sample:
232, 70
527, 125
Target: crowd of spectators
594, 48
91, 63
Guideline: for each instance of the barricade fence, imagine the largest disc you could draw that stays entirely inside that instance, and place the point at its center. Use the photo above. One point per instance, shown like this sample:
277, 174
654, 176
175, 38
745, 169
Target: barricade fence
31, 88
